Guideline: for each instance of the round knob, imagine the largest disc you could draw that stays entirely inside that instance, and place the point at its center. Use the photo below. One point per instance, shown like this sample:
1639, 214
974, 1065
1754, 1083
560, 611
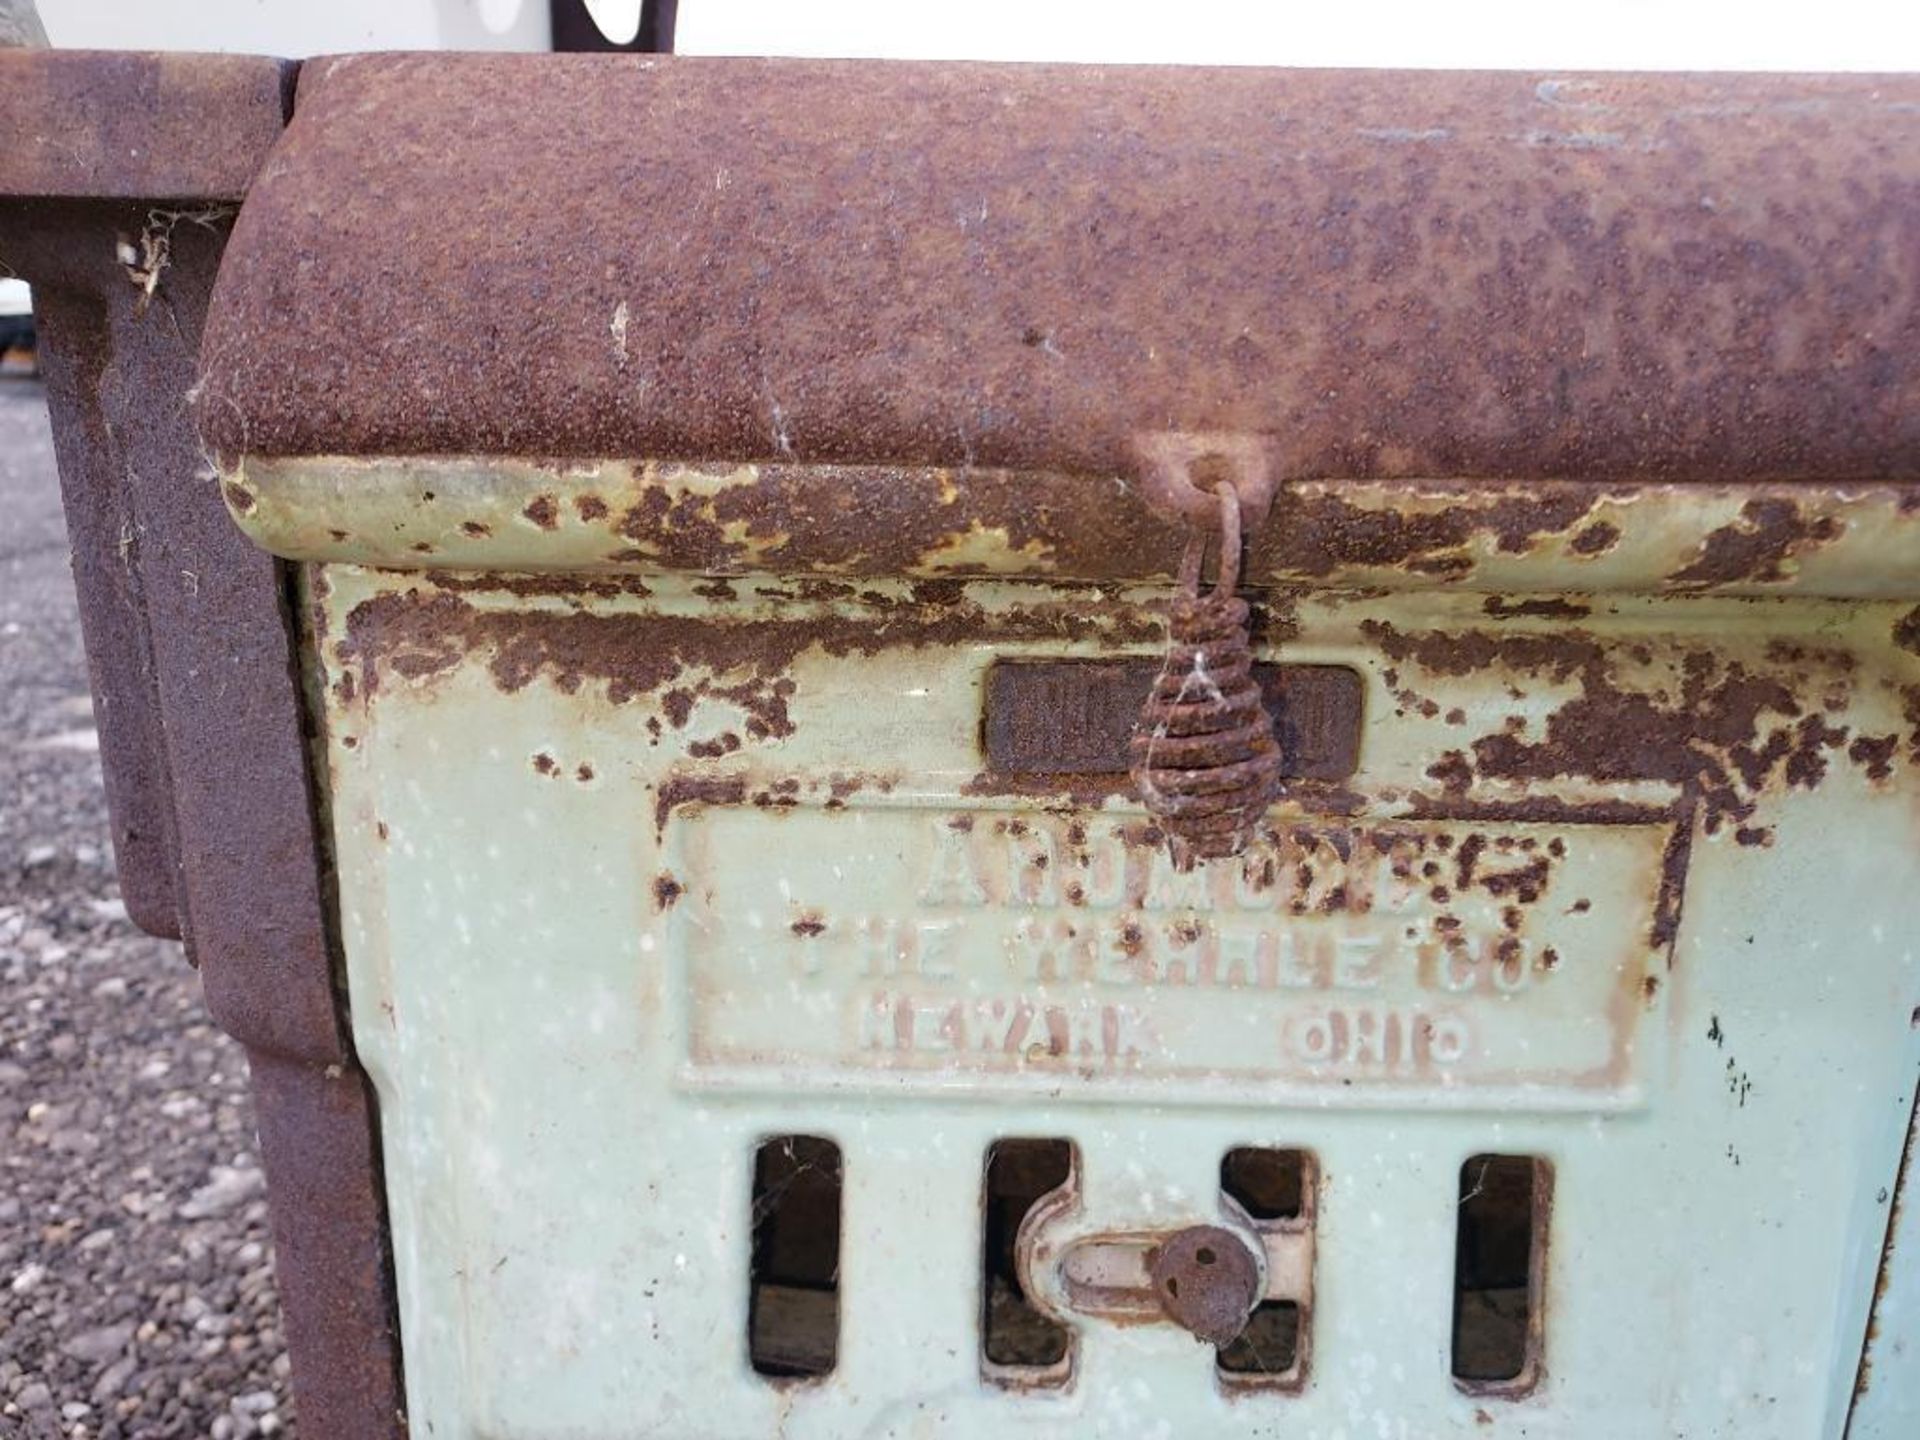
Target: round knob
1208, 1281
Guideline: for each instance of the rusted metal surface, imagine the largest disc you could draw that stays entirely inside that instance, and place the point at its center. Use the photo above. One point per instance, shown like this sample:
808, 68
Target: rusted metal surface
162, 128
1181, 473
320, 1145
1207, 1282
223, 663
845, 523
191, 643
101, 531
1076, 717
1402, 275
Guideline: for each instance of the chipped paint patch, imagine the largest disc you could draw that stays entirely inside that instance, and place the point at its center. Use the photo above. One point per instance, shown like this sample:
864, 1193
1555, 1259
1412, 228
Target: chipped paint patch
1488, 537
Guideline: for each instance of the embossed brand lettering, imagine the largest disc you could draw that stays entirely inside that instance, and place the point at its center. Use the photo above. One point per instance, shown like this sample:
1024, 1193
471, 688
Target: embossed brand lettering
1337, 957
1333, 917
1029, 1030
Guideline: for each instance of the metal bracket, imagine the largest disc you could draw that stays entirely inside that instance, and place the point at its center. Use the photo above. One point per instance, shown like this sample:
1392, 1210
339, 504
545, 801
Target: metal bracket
1181, 472
1074, 1266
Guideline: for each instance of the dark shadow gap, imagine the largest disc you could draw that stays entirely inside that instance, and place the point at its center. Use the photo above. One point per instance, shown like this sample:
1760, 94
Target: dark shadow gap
793, 1306
1014, 1335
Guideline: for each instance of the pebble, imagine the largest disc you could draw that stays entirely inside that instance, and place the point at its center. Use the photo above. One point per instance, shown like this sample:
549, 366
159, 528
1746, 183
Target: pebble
114, 1378
98, 1346
227, 1187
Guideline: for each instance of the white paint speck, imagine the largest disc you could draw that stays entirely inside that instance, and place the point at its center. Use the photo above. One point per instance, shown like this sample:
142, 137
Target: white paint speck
617, 327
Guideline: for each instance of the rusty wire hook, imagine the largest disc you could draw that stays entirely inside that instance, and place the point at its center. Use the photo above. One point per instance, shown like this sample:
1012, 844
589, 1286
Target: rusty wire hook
1193, 558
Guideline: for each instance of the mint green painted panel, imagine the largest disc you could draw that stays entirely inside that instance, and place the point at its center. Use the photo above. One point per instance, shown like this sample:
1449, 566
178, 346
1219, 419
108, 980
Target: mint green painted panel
576, 983
1887, 1403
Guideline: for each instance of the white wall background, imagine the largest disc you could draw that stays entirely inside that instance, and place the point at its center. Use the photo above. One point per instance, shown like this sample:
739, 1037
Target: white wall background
295, 28
1526, 34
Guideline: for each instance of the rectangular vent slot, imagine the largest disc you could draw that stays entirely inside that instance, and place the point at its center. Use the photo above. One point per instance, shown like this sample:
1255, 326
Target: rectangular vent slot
793, 1306
1275, 1189
1019, 1345
1270, 1185
1499, 1269
1269, 1348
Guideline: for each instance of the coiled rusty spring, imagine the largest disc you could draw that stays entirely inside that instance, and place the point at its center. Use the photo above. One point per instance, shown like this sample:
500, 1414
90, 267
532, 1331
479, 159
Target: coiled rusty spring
1205, 760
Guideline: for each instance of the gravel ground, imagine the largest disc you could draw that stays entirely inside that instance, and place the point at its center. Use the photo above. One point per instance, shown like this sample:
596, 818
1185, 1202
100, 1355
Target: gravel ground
136, 1279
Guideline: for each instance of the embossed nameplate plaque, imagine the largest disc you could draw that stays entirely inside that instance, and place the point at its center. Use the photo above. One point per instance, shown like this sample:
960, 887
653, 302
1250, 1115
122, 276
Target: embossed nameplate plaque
889, 945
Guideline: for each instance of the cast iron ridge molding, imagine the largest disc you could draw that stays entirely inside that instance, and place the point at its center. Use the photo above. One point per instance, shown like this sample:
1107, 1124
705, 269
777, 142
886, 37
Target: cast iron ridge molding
118, 184
1655, 278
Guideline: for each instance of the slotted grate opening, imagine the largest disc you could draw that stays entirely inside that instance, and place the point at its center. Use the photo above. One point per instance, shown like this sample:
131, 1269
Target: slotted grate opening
1270, 1185
1018, 1344
793, 1307
1274, 1187
1270, 1345
1499, 1264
